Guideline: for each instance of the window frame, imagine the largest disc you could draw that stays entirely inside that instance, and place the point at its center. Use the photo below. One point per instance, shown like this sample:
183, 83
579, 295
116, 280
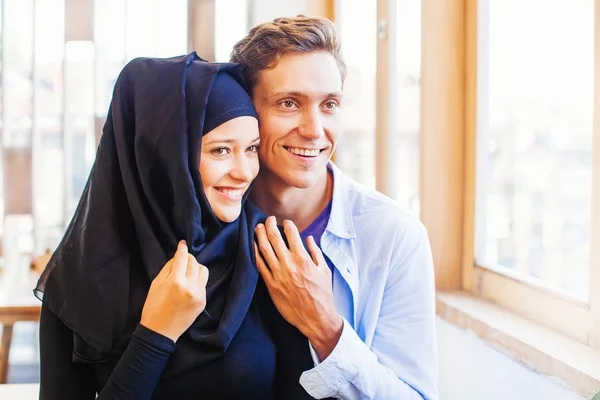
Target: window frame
529, 298
449, 164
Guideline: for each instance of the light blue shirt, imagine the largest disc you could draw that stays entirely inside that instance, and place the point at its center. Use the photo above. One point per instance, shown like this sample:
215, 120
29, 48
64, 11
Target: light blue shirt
383, 287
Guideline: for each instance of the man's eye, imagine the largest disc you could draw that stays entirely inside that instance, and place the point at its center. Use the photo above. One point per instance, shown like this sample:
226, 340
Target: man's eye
331, 105
288, 104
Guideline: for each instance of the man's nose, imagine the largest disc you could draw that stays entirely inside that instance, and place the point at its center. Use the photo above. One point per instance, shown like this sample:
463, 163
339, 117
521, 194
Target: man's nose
311, 126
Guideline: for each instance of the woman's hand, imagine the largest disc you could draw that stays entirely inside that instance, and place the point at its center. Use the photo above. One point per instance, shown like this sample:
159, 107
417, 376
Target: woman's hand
177, 295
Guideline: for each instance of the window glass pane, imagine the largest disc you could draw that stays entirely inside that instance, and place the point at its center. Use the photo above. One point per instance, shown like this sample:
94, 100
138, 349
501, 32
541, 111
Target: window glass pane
79, 118
170, 27
139, 34
536, 183
2, 116
48, 157
109, 36
155, 28
231, 24
17, 239
355, 154
18, 90
405, 158
125, 29
267, 10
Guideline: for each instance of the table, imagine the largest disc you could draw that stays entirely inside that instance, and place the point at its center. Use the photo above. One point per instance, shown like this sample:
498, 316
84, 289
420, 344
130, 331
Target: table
8, 317
17, 303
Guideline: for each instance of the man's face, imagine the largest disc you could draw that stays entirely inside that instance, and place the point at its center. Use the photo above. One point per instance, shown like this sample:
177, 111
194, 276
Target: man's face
298, 104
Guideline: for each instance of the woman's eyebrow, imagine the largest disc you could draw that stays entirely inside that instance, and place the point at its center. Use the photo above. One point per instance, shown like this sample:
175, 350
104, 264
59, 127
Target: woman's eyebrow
217, 140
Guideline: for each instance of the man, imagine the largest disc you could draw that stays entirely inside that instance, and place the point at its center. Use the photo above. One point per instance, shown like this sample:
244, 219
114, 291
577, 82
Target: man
366, 302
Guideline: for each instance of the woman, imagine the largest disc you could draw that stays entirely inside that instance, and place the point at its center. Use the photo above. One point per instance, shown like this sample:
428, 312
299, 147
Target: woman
175, 161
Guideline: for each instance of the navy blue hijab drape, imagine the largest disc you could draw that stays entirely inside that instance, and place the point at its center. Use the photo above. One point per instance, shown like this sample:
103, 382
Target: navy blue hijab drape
144, 194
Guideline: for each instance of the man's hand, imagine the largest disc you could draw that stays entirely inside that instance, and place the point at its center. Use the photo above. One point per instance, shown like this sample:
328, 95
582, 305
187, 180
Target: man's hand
299, 283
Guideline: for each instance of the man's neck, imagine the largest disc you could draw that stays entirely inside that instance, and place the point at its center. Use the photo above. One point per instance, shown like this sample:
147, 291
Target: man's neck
302, 206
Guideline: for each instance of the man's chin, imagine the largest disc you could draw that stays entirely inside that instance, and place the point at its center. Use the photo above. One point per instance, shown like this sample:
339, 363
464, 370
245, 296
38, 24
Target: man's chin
291, 175
301, 180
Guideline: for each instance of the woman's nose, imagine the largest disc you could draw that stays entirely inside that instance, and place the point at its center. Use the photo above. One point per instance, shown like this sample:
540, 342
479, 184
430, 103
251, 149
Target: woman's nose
244, 168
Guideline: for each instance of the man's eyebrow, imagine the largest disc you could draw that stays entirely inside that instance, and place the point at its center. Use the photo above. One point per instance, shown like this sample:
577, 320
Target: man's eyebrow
294, 93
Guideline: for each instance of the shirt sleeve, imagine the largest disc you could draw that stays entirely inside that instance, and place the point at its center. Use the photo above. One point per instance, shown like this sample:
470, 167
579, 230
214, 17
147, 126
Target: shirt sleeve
401, 362
140, 368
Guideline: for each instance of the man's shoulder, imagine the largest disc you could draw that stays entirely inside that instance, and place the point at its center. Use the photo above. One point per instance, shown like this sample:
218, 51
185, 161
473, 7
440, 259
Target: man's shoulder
376, 214
385, 233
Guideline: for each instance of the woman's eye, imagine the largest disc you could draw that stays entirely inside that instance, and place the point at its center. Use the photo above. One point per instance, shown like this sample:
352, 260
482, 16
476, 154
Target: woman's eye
253, 148
219, 151
331, 105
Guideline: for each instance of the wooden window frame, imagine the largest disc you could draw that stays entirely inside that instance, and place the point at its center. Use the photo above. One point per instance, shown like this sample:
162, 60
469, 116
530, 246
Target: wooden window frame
453, 58
527, 297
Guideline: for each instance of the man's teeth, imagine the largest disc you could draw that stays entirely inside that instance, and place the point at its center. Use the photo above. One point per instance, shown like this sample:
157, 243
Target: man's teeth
304, 152
232, 193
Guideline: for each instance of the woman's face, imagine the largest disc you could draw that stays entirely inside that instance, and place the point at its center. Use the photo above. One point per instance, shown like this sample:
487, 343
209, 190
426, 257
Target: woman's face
228, 164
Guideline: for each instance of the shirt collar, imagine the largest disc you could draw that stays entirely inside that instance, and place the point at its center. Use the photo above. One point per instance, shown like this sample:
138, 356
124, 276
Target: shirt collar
340, 219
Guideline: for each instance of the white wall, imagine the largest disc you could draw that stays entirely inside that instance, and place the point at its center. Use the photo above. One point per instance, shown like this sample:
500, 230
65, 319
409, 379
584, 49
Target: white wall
472, 370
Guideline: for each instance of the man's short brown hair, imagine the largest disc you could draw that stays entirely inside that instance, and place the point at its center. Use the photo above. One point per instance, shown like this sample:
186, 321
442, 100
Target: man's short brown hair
264, 44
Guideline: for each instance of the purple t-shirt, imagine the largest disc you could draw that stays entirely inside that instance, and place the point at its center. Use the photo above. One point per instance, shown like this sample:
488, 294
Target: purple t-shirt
316, 229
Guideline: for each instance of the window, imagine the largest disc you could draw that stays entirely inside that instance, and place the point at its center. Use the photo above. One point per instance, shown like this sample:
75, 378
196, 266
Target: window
17, 132
48, 182
536, 144
18, 69
231, 24
126, 29
110, 40
55, 96
155, 28
405, 161
382, 40
79, 128
355, 155
535, 183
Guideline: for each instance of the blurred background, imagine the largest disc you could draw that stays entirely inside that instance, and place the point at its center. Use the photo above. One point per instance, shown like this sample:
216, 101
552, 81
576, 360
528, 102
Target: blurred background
524, 72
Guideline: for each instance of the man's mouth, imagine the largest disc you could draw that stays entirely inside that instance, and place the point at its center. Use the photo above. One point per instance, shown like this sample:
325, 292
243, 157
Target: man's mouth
304, 152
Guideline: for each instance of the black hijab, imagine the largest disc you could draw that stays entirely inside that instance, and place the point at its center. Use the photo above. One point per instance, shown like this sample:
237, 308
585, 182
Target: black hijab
143, 195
